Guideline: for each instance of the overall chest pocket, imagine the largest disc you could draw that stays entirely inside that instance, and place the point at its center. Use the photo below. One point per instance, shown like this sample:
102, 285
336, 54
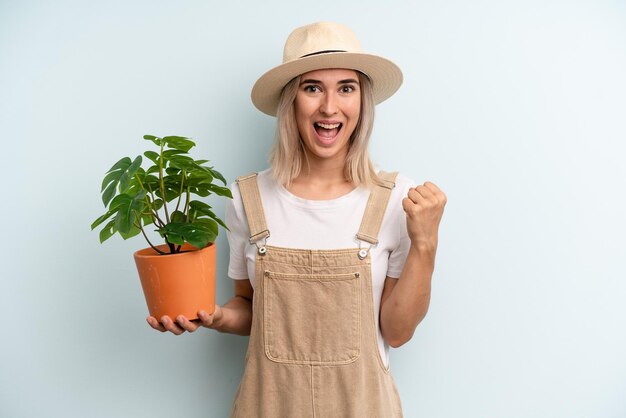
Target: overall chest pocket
312, 319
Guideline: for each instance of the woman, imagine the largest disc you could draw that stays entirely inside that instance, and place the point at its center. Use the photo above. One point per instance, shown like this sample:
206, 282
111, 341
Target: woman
332, 260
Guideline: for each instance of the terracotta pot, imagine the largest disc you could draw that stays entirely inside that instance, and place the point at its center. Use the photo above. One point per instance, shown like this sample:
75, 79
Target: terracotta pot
178, 284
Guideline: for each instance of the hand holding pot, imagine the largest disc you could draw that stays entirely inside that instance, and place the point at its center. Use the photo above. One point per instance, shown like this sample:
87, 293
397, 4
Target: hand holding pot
183, 324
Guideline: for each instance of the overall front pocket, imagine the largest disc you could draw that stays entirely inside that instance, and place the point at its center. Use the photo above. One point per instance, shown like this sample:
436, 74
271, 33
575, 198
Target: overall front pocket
312, 318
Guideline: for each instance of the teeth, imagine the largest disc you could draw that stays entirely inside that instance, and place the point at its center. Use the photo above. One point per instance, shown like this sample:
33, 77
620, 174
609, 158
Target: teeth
328, 126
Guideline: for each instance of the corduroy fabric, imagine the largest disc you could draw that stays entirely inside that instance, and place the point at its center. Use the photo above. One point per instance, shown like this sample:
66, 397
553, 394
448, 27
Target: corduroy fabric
376, 206
313, 349
253, 207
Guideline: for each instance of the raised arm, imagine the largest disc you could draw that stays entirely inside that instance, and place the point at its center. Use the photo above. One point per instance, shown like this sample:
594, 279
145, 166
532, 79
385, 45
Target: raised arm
405, 300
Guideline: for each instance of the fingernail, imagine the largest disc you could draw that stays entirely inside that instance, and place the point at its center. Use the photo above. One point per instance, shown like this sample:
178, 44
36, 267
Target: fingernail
180, 318
164, 321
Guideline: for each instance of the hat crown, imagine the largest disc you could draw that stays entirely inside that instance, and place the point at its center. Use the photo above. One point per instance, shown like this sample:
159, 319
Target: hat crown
319, 37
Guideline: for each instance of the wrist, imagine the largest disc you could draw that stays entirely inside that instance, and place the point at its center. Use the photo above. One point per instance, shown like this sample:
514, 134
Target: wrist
423, 249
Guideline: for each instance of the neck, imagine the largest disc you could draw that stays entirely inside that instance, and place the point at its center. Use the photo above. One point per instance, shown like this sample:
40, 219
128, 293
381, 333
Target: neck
321, 178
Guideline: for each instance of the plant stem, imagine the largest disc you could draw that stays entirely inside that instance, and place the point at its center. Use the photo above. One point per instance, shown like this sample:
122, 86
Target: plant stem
146, 237
155, 218
186, 210
153, 212
167, 215
157, 221
180, 192
171, 246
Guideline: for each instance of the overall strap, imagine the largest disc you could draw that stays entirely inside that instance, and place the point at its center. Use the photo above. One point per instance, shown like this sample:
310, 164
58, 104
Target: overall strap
375, 209
253, 207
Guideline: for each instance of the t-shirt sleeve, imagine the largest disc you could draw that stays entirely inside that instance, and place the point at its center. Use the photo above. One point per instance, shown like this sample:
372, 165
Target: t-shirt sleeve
398, 254
237, 234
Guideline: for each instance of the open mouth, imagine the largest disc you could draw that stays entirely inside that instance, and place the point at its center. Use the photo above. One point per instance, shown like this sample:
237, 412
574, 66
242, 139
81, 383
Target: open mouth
327, 130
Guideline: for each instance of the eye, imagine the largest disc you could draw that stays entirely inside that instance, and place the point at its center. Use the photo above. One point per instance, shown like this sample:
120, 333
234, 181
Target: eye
347, 88
312, 88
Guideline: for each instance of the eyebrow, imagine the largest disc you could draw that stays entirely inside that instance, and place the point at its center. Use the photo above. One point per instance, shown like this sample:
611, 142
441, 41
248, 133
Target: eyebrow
346, 81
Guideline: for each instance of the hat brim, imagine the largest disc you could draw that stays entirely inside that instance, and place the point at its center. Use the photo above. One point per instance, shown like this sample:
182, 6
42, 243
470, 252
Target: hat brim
385, 75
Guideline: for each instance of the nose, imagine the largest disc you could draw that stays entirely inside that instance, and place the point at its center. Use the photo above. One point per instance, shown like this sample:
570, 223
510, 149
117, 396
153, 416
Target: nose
328, 106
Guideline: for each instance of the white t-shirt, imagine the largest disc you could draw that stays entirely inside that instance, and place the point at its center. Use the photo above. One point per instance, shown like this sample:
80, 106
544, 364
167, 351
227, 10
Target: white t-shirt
322, 225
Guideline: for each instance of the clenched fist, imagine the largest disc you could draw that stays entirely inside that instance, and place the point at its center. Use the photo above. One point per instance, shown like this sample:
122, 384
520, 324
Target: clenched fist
424, 208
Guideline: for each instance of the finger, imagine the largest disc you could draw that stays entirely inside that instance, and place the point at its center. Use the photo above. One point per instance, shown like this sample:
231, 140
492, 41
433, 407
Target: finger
207, 319
409, 206
171, 325
441, 196
152, 321
415, 196
425, 192
432, 187
186, 324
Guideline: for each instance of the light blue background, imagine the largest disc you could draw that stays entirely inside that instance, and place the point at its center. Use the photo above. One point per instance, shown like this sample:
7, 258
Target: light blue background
516, 109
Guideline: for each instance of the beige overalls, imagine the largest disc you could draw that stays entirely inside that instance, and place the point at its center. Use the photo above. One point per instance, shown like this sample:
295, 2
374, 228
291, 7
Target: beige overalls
313, 349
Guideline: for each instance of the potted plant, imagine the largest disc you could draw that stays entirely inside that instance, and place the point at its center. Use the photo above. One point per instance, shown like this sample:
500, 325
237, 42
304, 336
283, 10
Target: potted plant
177, 277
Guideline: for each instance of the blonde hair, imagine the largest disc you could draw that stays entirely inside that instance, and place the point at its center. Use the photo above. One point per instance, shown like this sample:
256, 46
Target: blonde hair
287, 155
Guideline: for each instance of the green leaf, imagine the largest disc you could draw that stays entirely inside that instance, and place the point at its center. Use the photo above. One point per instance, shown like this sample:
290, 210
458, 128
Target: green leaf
182, 162
122, 163
152, 156
218, 176
199, 239
133, 232
111, 180
124, 218
137, 180
179, 142
154, 139
101, 219
169, 153
147, 219
112, 175
126, 176
218, 190
208, 225
197, 176
176, 239
171, 171
120, 200
217, 219
108, 194
153, 169
198, 205
118, 177
108, 231
151, 182
200, 191
170, 194
198, 209
198, 234
174, 233
130, 207
158, 204
178, 216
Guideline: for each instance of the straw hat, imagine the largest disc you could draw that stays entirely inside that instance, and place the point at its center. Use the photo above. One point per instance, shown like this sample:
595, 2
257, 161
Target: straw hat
324, 45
